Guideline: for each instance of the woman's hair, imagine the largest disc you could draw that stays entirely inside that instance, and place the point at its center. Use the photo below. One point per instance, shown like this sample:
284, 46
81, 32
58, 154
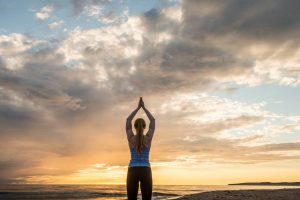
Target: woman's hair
139, 126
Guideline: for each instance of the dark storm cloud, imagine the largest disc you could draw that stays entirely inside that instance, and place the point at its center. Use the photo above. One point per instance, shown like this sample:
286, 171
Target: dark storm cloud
204, 59
254, 19
156, 21
211, 41
199, 59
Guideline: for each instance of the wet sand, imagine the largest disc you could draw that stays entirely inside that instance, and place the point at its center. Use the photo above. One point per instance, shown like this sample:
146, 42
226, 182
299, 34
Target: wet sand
264, 194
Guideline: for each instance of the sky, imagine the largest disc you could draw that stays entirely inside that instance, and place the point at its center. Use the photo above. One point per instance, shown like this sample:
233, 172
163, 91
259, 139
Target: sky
221, 79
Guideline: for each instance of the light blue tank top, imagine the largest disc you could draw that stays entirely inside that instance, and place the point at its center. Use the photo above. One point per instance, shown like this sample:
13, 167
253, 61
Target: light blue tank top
139, 160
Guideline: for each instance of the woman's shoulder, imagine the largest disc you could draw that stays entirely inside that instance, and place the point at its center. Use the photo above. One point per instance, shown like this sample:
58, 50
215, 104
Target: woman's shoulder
147, 142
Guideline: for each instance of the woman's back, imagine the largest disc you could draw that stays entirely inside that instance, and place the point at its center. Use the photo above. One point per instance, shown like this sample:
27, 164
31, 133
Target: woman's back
139, 159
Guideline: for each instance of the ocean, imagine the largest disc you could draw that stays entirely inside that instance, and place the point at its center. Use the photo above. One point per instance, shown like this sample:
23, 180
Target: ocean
109, 192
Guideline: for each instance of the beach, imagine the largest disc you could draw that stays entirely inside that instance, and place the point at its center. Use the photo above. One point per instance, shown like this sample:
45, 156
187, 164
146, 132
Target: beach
261, 194
160, 192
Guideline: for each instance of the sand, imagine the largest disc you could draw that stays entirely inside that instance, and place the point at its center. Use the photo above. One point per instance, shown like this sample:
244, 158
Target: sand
266, 194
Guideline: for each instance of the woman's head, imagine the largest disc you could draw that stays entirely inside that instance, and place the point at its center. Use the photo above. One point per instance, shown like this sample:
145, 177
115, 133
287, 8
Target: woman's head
139, 126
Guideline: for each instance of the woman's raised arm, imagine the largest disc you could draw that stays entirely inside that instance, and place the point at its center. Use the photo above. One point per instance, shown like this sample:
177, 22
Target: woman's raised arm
128, 123
152, 122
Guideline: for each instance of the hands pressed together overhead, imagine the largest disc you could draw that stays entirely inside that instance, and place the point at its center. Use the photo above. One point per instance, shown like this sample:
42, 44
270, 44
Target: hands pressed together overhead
141, 103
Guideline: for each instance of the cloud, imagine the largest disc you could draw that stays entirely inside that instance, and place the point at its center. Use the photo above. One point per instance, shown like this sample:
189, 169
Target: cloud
104, 11
12, 47
254, 32
41, 103
220, 130
106, 17
79, 6
56, 24
209, 149
38, 89
256, 21
45, 12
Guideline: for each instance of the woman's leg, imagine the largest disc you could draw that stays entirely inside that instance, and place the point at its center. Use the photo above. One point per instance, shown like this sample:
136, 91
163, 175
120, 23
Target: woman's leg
132, 184
146, 183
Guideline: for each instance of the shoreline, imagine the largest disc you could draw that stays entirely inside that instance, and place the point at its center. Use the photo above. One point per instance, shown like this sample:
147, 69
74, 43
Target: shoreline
251, 194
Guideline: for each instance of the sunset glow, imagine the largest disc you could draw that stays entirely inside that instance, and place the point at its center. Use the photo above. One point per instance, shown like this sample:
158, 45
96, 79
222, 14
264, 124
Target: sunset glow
221, 79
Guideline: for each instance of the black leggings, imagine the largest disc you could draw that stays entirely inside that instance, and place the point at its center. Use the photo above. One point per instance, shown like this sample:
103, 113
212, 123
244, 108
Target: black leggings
136, 174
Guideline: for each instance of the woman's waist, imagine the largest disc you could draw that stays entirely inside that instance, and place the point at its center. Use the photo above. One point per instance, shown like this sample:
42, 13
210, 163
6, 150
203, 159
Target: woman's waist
142, 155
139, 164
139, 159
139, 167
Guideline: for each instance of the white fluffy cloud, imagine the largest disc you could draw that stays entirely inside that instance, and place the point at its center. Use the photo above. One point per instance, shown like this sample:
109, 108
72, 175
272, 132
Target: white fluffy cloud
45, 12
56, 24
13, 48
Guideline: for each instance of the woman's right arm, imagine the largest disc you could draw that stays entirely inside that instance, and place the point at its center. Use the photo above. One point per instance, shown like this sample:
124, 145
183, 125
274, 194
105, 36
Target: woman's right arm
151, 130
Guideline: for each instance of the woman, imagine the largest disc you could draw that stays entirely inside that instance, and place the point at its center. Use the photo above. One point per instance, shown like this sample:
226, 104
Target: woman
139, 169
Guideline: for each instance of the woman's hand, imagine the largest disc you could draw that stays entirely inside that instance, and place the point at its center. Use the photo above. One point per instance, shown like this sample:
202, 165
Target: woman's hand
141, 103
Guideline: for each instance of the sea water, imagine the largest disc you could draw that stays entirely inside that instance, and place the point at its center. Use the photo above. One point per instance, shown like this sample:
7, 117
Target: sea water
110, 192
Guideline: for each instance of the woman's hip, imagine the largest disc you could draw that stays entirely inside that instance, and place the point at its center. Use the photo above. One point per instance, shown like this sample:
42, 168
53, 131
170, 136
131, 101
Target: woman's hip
140, 171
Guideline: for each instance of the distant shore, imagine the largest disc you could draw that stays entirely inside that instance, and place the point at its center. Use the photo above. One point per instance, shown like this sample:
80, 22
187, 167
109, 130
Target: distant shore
261, 194
269, 183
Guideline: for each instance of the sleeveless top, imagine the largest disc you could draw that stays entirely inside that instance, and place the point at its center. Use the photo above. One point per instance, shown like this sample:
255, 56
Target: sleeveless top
139, 160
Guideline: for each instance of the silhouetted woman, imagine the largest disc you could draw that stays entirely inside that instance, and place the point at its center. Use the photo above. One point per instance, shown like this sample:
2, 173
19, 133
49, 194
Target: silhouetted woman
139, 169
